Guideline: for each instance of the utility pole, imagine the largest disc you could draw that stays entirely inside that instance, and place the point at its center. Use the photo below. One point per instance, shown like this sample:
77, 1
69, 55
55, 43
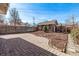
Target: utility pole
33, 21
73, 21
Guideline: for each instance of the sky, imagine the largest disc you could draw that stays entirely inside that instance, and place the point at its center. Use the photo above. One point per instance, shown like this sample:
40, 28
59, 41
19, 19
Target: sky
46, 11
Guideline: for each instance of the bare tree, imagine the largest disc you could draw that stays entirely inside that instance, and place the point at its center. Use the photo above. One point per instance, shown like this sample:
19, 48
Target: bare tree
14, 17
1, 19
71, 22
75, 31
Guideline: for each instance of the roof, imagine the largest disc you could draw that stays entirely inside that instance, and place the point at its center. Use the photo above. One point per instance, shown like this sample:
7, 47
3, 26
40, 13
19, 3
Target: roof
3, 8
48, 22
71, 25
60, 24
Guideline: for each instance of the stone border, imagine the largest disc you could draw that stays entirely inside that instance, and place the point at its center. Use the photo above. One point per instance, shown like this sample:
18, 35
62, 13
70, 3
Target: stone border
58, 53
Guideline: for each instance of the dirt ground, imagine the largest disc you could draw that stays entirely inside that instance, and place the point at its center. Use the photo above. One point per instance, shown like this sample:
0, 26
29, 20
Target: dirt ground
57, 39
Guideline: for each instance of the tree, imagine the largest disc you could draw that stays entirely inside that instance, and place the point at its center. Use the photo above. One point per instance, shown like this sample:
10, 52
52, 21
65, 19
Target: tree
71, 22
27, 24
61, 27
14, 17
1, 19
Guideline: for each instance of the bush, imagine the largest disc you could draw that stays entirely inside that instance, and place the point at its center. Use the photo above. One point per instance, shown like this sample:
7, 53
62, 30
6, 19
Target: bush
74, 33
45, 28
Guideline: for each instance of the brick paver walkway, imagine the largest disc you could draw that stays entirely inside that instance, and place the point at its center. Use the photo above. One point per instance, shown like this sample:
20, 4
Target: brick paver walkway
26, 44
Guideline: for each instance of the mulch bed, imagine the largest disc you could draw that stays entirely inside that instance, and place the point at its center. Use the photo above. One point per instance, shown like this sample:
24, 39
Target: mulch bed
57, 39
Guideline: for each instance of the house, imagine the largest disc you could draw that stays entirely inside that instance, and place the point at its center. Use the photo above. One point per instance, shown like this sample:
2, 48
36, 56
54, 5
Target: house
54, 26
3, 11
71, 26
50, 24
61, 28
66, 28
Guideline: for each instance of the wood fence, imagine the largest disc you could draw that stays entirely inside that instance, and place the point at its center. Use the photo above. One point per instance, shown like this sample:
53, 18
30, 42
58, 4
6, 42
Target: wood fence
15, 29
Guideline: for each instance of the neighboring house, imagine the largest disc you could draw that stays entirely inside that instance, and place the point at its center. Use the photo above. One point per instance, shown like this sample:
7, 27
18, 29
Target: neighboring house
50, 24
70, 26
61, 28
27, 24
53, 26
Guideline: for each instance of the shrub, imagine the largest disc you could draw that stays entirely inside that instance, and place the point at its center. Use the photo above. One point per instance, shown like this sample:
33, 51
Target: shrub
45, 28
74, 33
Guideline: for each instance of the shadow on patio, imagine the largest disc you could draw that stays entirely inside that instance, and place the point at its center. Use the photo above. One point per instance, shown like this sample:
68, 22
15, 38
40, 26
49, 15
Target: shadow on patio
20, 47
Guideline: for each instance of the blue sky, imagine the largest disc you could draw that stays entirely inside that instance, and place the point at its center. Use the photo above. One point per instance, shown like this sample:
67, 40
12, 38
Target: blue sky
46, 11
